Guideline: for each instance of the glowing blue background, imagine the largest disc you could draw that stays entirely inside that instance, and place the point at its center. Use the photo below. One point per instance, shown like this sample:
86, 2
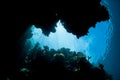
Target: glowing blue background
93, 44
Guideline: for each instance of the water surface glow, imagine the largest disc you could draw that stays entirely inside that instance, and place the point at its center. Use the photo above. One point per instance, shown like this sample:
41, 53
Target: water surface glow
93, 44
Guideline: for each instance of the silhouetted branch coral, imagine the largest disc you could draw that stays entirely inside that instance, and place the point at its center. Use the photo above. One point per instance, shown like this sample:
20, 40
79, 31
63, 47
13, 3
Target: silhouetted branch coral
60, 64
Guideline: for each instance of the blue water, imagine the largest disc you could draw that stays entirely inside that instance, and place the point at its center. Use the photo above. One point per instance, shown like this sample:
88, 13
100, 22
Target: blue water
93, 44
112, 60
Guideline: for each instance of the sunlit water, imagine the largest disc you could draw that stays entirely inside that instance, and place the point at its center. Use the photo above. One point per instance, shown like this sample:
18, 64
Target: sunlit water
94, 44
